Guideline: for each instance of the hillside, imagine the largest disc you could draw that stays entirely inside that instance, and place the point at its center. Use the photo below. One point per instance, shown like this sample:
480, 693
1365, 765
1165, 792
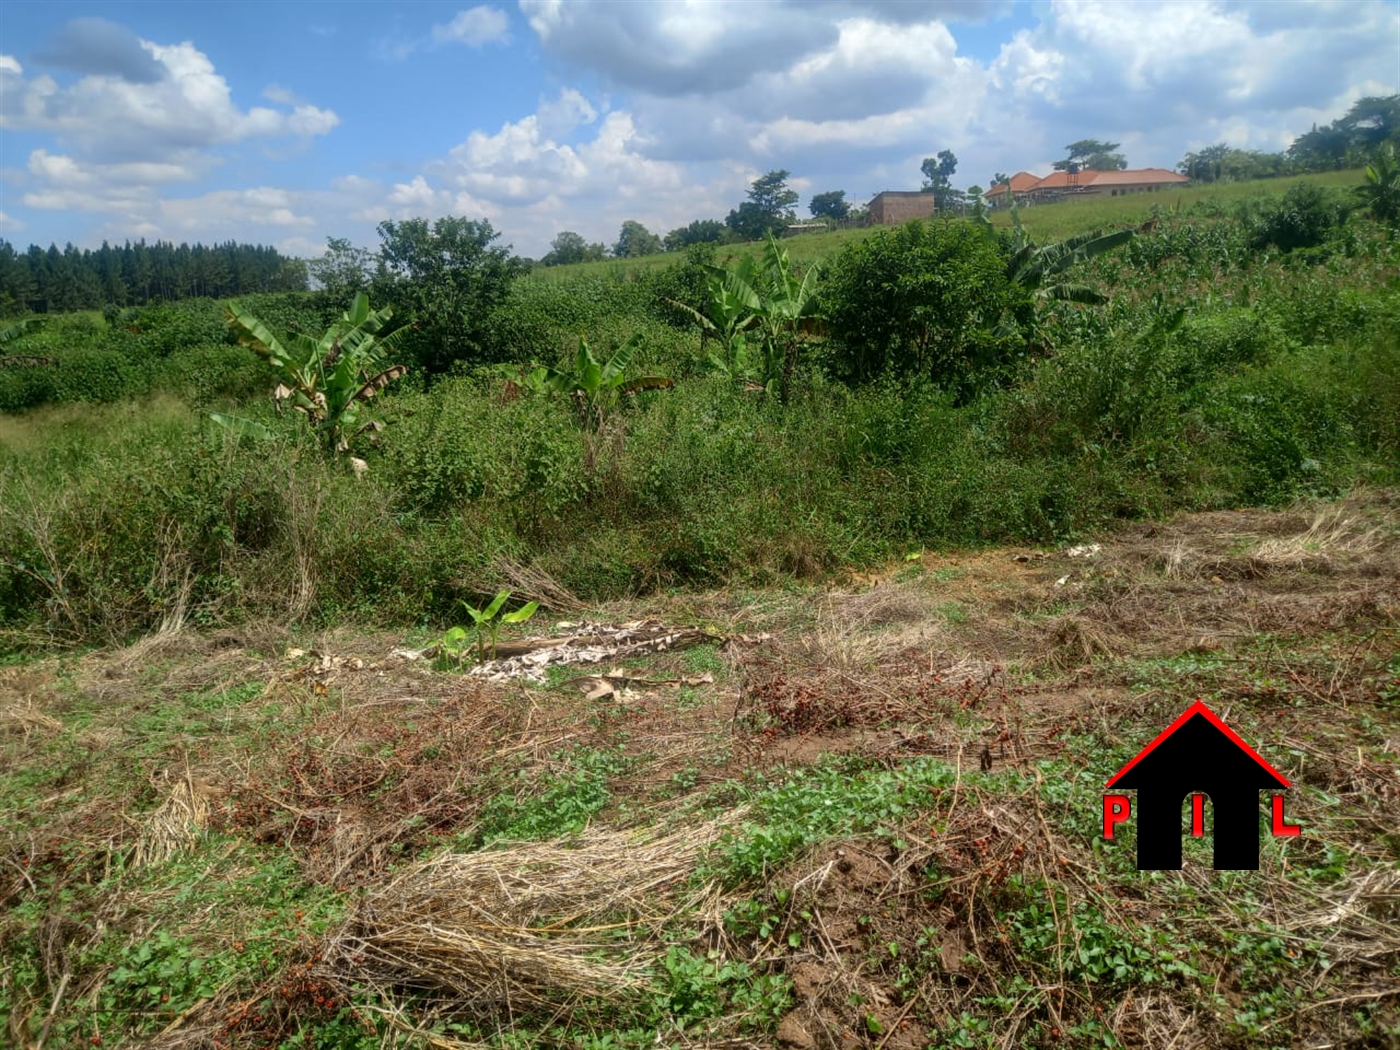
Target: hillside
1043, 221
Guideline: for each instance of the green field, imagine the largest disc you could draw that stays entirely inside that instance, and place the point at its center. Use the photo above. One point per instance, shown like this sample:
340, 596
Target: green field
823, 636
1047, 221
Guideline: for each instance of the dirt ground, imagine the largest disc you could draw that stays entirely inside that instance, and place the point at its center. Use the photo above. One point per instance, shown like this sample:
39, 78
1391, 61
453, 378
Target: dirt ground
354, 757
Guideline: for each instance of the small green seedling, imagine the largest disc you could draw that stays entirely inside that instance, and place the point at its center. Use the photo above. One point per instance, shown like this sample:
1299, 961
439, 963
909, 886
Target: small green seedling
486, 625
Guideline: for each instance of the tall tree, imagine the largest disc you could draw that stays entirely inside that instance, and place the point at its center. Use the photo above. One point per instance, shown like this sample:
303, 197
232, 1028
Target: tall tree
768, 208
1322, 148
770, 192
343, 271
635, 240
701, 231
1092, 155
568, 247
1205, 165
831, 205
1372, 121
448, 277
938, 171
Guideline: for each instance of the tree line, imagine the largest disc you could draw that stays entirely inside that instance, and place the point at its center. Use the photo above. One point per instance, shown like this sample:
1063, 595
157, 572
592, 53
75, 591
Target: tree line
768, 209
1351, 141
54, 281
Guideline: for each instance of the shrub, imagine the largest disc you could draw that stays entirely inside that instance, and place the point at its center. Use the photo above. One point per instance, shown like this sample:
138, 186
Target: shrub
448, 277
1302, 218
925, 300
159, 330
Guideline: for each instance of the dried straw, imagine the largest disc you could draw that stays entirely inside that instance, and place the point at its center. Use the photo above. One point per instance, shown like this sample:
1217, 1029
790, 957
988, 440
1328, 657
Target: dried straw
27, 718
1330, 535
529, 925
175, 824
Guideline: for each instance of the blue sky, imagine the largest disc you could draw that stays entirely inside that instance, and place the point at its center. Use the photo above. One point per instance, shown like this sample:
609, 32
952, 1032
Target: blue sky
286, 123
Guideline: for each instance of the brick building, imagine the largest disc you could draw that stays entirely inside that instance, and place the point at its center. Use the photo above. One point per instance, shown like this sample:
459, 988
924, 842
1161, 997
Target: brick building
897, 206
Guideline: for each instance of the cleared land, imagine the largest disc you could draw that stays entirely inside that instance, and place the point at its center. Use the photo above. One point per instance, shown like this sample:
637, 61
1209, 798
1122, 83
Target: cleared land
865, 815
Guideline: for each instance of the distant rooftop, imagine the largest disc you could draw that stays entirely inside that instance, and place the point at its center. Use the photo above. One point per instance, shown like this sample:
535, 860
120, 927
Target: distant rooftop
1025, 182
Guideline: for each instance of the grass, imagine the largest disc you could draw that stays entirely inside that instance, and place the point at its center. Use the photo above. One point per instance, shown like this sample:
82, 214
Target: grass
351, 848
1045, 222
866, 814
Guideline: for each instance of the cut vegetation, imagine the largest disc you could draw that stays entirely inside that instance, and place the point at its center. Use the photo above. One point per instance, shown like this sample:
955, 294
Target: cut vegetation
638, 695
859, 822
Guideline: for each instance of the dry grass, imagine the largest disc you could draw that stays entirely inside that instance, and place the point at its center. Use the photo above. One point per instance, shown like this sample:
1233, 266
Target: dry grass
176, 823
1332, 535
535, 926
358, 767
23, 716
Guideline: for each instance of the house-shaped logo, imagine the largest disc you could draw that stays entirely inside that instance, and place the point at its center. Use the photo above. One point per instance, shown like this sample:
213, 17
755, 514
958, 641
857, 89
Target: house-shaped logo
1197, 755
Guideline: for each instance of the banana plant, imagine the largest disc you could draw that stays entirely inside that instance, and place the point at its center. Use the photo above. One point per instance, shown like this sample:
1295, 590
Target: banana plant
1381, 190
1033, 265
486, 625
764, 297
731, 314
328, 379
787, 311
594, 385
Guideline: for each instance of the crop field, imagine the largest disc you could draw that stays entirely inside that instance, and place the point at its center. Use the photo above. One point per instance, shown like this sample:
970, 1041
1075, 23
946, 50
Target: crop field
565, 678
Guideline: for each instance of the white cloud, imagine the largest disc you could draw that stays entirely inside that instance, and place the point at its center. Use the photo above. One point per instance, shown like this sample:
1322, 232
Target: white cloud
61, 170
677, 48
475, 26
844, 93
261, 206
190, 108
562, 115
7, 223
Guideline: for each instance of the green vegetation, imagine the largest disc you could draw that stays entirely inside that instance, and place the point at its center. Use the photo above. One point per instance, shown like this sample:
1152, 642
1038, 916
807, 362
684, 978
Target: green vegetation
1245, 354
594, 385
865, 812
332, 377
486, 626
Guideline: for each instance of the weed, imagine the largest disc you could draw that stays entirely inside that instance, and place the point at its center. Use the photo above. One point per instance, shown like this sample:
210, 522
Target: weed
559, 805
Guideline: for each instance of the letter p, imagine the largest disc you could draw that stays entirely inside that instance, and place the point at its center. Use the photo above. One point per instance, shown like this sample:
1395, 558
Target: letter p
1116, 809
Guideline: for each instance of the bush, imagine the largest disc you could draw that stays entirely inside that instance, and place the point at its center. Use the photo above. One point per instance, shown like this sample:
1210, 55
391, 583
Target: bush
1302, 218
924, 300
160, 330
447, 278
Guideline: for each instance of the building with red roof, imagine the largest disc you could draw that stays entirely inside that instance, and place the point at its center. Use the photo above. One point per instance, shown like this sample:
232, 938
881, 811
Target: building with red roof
1026, 187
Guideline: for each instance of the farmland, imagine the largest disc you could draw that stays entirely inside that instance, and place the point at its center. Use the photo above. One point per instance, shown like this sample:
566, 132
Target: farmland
875, 606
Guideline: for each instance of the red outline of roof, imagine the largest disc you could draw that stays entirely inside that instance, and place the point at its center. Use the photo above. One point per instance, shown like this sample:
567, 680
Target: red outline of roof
1199, 707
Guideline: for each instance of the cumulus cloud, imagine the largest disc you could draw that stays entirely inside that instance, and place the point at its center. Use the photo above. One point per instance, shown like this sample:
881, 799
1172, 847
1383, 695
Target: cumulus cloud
105, 118
261, 206
1160, 75
678, 106
475, 26
676, 49
98, 47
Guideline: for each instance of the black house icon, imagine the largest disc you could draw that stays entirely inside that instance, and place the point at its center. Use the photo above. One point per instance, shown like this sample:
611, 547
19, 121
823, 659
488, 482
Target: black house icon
1198, 753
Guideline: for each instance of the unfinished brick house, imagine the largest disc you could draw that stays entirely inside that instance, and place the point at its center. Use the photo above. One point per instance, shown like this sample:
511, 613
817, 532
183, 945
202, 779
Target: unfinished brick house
896, 206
